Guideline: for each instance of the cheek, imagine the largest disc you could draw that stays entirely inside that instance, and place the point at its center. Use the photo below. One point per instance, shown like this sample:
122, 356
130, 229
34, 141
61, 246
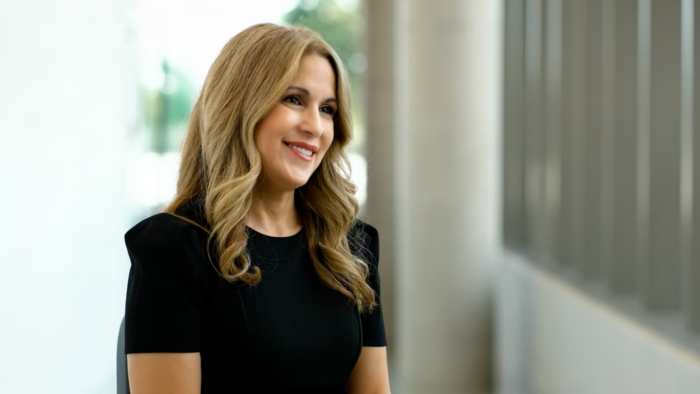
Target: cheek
269, 132
326, 142
275, 124
328, 137
267, 149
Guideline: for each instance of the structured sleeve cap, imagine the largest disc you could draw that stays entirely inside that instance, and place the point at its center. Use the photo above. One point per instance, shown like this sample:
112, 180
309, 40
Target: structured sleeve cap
365, 240
165, 290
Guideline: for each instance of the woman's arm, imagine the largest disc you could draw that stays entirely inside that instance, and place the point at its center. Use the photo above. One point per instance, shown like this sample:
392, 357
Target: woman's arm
162, 327
371, 374
164, 373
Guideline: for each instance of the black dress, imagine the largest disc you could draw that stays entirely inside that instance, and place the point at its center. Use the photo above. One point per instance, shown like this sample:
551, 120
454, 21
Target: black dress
290, 333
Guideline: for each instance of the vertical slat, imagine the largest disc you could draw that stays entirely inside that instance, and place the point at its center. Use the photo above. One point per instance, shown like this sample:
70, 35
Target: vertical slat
687, 11
534, 180
663, 282
543, 243
593, 139
643, 127
553, 124
577, 148
623, 271
607, 127
513, 142
566, 187
695, 266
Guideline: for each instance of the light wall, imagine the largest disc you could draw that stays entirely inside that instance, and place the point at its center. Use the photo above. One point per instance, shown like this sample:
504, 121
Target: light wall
553, 339
67, 103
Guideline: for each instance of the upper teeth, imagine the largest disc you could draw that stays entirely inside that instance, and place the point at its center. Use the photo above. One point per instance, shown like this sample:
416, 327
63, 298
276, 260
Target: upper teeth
302, 150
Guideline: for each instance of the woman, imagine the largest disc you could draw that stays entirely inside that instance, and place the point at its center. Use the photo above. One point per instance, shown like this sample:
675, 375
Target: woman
258, 277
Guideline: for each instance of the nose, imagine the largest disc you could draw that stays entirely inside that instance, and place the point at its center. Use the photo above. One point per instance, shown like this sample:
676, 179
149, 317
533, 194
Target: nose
312, 122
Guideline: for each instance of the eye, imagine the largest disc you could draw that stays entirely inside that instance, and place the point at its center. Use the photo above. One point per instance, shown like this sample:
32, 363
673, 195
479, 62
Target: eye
293, 99
328, 109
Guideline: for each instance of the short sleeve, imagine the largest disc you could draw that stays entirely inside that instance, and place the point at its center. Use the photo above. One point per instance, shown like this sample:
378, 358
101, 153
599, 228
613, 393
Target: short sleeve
164, 293
373, 332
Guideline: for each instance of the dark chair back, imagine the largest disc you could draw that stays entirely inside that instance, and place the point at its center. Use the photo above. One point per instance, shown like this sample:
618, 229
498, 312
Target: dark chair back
122, 372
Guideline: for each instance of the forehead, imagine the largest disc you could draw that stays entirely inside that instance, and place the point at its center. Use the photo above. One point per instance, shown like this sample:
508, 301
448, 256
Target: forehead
316, 74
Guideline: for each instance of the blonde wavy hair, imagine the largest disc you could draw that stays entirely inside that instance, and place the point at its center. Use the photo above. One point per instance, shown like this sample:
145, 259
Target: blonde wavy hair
221, 165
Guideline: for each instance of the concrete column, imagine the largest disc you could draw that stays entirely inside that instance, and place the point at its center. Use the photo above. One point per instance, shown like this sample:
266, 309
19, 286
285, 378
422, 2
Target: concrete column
444, 148
381, 82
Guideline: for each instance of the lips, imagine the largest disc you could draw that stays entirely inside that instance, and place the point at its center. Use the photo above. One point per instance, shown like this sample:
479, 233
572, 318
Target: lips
302, 153
303, 145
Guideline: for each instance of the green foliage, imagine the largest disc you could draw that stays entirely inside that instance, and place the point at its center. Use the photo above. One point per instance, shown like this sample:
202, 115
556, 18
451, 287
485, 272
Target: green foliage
166, 110
344, 31
341, 29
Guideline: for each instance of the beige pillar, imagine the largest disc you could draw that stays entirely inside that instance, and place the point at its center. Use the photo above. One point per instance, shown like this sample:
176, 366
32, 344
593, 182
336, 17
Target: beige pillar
433, 149
380, 210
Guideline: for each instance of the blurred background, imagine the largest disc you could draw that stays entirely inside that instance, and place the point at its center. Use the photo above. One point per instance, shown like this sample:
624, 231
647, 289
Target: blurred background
531, 166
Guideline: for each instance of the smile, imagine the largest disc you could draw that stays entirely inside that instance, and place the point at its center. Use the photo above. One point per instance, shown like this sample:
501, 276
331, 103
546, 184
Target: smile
301, 153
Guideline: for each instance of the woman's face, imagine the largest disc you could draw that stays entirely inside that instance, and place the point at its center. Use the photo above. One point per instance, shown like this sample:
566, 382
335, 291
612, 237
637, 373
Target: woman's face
293, 138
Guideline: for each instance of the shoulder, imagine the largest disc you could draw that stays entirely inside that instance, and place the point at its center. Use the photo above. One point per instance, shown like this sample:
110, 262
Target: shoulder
164, 239
364, 241
365, 229
162, 228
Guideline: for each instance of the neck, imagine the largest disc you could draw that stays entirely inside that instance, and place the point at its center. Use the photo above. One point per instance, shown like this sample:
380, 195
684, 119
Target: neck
273, 212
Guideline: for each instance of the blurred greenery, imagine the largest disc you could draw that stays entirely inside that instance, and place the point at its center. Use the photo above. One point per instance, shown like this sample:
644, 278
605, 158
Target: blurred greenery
344, 30
166, 108
341, 29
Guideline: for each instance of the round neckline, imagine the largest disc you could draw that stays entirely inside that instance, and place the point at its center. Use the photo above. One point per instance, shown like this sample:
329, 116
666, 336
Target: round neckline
275, 237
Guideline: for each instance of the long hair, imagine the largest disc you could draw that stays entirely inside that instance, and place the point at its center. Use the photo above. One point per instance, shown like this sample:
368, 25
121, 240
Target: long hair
221, 165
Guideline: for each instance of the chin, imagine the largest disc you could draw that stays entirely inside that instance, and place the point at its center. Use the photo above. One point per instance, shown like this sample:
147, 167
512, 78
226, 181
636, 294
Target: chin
295, 183
299, 184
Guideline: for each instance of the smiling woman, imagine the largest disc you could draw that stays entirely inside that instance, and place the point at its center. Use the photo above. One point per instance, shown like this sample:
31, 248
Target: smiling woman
258, 277
300, 126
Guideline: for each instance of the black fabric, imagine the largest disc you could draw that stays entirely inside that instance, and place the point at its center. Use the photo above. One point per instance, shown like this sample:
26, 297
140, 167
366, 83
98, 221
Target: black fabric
289, 333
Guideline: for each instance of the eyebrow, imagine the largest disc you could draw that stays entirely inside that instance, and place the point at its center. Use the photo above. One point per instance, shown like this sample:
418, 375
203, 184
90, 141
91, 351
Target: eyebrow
306, 92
